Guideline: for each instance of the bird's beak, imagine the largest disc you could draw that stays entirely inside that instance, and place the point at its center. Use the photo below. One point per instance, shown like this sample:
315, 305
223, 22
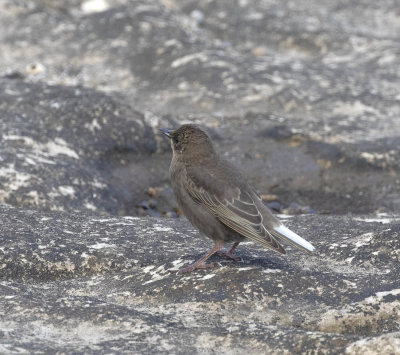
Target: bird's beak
166, 131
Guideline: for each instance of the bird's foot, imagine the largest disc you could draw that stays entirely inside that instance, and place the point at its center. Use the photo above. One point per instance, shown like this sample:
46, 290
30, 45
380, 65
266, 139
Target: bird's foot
191, 268
229, 255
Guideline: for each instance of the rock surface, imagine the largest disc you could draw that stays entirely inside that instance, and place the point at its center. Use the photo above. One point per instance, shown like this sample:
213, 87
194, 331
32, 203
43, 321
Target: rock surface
60, 146
83, 283
304, 96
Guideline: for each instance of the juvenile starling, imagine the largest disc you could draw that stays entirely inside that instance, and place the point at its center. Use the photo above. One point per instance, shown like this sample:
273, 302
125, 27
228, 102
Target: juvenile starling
217, 200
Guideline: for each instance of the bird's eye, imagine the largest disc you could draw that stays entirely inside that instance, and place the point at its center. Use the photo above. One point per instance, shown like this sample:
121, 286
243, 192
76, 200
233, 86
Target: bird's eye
175, 139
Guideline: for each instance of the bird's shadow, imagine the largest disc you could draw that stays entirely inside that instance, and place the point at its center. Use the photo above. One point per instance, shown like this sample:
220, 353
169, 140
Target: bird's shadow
275, 263
251, 261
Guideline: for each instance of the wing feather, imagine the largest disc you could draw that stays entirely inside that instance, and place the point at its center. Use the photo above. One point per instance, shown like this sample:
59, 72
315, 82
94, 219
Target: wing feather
239, 213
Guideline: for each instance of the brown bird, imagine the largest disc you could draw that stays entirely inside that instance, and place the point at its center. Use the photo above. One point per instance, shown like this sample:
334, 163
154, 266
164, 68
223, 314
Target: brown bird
217, 200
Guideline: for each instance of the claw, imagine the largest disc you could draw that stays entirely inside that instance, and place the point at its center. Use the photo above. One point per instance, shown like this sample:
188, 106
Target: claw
200, 264
229, 255
194, 267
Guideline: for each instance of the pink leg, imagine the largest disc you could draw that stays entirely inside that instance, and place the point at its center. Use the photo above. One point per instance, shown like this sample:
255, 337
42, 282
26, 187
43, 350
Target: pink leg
199, 264
229, 254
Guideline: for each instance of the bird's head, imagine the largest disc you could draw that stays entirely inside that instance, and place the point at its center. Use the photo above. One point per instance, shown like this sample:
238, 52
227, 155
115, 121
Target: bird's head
190, 141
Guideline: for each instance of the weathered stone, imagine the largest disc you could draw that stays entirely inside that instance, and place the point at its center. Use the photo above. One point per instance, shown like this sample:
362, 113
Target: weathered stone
84, 283
60, 146
319, 98
303, 96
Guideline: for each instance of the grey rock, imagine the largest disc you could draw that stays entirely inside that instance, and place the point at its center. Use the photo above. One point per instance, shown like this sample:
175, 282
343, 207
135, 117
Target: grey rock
62, 147
275, 206
82, 283
295, 208
315, 86
303, 96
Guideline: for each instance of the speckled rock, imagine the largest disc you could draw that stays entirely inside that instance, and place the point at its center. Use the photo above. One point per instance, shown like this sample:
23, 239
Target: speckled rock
304, 96
60, 145
305, 93
83, 283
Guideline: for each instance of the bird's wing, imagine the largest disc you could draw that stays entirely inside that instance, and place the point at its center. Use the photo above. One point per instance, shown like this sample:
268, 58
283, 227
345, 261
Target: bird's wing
233, 205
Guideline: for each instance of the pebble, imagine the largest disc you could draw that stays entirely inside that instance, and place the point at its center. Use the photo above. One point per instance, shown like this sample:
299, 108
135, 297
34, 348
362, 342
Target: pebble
93, 6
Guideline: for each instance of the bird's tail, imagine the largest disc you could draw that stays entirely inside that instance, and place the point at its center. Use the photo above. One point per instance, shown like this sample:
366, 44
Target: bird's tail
287, 235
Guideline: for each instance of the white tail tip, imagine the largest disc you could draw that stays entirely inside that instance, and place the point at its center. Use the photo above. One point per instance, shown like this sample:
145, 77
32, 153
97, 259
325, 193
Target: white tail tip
286, 232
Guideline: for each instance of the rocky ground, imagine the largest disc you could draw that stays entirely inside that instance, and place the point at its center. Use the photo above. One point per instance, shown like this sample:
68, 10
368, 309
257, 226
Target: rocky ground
80, 283
304, 96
